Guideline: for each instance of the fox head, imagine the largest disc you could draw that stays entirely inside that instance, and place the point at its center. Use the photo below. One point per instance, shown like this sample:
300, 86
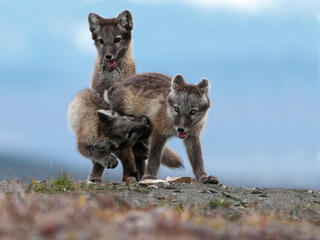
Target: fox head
123, 130
112, 37
187, 104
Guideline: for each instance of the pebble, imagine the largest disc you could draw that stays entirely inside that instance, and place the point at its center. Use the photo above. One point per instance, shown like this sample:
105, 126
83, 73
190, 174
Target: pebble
163, 184
179, 179
256, 191
153, 187
263, 195
161, 197
131, 180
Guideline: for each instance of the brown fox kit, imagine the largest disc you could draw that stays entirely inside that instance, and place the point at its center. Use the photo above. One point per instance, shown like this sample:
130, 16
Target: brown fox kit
174, 107
113, 41
101, 131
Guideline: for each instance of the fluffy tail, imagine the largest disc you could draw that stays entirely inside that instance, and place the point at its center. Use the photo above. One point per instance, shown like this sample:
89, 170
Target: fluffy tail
171, 159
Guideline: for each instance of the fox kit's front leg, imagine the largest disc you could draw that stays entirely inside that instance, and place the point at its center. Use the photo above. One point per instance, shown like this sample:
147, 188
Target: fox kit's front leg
155, 153
95, 175
193, 145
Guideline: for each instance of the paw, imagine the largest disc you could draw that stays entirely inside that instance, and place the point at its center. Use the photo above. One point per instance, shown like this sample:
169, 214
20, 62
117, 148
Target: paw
208, 179
147, 177
128, 178
93, 181
111, 164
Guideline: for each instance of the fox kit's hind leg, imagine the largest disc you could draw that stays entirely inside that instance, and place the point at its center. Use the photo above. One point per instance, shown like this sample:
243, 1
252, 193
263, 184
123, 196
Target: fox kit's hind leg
140, 151
128, 163
156, 147
193, 145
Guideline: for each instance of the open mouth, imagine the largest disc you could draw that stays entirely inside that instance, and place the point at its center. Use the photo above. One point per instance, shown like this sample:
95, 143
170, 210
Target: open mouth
182, 135
112, 63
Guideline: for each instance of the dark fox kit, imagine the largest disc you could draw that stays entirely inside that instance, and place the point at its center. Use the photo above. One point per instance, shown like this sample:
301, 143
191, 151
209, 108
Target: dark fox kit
101, 131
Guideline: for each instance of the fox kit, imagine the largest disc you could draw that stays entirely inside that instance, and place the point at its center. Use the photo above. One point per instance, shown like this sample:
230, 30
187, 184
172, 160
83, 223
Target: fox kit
113, 41
101, 131
112, 38
174, 107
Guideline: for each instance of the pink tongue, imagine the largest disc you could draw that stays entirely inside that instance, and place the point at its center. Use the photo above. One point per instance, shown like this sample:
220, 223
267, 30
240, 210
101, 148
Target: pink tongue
182, 134
112, 63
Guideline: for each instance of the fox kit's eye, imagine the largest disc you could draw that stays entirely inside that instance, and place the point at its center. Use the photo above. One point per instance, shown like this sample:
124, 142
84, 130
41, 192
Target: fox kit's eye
117, 39
193, 112
176, 109
100, 40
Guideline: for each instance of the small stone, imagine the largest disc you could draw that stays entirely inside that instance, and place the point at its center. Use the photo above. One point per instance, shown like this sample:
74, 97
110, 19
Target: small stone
148, 182
89, 182
161, 197
205, 191
310, 191
131, 180
208, 191
170, 187
244, 203
179, 179
163, 185
152, 187
256, 191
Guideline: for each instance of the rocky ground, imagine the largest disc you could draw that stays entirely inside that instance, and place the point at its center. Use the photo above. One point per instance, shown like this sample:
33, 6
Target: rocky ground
64, 209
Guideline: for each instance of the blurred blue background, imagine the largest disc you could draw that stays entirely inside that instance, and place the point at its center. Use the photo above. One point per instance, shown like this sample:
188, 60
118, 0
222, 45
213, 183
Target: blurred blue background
261, 57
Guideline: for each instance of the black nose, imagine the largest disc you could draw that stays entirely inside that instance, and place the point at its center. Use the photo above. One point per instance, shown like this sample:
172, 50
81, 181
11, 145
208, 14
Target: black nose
181, 130
108, 57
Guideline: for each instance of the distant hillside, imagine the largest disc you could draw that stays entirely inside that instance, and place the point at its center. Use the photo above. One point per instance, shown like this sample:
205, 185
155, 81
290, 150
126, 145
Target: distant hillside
25, 166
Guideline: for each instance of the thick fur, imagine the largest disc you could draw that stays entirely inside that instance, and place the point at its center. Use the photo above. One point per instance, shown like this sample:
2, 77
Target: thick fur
101, 132
174, 107
104, 33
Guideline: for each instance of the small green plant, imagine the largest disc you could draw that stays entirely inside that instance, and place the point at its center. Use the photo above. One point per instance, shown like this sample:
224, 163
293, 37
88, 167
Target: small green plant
63, 183
218, 203
180, 207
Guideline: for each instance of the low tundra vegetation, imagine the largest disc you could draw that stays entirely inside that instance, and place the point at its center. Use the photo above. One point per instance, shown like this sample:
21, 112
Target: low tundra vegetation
62, 208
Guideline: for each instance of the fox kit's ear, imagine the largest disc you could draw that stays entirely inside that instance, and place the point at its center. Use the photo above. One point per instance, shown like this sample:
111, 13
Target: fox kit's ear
177, 82
94, 22
204, 86
125, 20
105, 115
